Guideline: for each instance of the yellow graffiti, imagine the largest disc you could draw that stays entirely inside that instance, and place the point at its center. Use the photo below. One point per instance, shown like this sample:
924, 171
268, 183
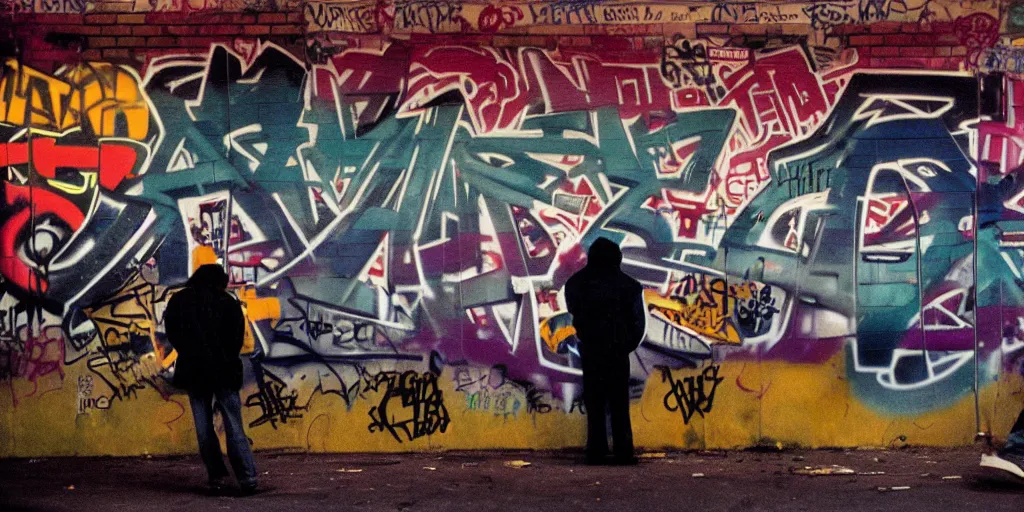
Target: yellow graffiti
552, 336
702, 311
106, 94
102, 98
34, 99
266, 308
130, 315
256, 309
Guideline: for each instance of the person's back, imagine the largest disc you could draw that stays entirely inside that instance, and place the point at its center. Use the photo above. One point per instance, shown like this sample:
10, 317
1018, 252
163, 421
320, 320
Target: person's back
205, 325
609, 318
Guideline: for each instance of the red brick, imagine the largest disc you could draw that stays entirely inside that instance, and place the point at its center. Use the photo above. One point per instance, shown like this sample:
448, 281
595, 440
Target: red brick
161, 41
943, 51
182, 30
295, 17
885, 51
256, 30
220, 30
166, 18
905, 40
147, 30
947, 39
286, 30
203, 18
849, 29
116, 53
134, 19
910, 28
101, 19
885, 27
917, 51
102, 42
959, 51
131, 42
201, 42
273, 18
92, 55
942, 27
243, 19
866, 40
117, 30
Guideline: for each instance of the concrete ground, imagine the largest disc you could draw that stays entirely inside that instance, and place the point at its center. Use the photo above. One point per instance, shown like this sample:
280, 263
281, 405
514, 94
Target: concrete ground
904, 480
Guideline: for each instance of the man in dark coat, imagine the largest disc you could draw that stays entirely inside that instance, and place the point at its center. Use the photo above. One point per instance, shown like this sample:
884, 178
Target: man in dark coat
206, 326
608, 313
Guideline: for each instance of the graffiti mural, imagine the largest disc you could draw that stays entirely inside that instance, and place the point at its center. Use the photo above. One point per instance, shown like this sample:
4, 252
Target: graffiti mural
399, 221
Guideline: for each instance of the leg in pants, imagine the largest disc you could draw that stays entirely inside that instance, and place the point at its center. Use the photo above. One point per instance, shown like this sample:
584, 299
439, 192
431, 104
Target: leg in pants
618, 397
1015, 440
238, 445
594, 398
209, 445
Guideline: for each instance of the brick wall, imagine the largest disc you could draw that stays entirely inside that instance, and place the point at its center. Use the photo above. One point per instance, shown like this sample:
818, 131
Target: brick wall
52, 39
49, 40
906, 45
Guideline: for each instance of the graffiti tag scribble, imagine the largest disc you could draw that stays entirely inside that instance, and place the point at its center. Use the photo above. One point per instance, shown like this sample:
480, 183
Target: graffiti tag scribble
411, 404
692, 395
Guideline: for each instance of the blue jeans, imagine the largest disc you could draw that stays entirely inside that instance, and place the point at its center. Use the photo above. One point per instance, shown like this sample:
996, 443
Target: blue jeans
1015, 441
209, 446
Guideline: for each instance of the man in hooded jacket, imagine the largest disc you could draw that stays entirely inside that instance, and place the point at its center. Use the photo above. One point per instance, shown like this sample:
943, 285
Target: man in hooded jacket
205, 325
609, 316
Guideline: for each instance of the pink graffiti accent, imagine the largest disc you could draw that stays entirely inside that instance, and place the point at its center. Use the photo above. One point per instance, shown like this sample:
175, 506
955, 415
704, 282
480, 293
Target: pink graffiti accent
42, 355
977, 32
570, 80
777, 95
365, 72
682, 210
494, 18
487, 80
999, 142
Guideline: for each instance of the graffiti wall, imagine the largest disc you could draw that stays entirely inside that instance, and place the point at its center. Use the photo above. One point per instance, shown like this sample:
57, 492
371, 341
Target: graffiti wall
820, 199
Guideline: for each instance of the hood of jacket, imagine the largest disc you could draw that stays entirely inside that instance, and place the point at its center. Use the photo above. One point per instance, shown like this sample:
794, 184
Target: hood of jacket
604, 255
210, 276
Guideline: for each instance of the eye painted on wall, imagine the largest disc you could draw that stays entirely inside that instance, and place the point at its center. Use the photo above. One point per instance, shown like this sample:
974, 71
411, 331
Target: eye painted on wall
496, 160
48, 236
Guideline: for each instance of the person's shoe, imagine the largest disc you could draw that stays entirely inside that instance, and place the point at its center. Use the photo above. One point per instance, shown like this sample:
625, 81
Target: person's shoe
595, 460
217, 484
626, 461
249, 490
1013, 464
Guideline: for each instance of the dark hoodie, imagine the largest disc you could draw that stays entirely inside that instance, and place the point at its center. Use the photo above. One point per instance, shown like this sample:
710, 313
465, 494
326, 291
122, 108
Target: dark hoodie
206, 326
606, 304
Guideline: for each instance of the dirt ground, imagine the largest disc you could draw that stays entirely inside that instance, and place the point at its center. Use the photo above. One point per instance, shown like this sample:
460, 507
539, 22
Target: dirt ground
903, 480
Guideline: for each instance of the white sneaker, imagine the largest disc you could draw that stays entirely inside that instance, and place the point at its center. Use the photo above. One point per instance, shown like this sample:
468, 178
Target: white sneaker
997, 462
